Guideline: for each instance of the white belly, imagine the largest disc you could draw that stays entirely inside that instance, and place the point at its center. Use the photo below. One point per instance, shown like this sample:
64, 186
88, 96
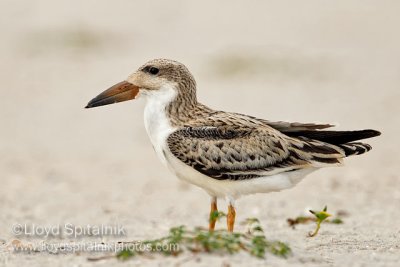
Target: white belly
234, 189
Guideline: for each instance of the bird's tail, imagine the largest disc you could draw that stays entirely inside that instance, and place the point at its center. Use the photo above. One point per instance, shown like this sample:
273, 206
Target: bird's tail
336, 137
355, 148
342, 139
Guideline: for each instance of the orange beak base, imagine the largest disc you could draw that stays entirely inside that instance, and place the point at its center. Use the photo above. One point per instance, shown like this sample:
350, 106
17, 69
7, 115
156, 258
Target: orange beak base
122, 91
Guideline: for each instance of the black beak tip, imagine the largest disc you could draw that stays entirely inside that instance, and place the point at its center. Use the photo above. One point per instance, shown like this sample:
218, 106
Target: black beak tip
91, 104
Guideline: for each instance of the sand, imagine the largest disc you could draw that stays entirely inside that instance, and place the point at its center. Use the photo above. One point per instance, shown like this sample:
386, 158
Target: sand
313, 61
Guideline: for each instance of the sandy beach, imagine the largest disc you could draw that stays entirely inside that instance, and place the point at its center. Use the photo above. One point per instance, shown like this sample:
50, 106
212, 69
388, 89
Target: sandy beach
314, 61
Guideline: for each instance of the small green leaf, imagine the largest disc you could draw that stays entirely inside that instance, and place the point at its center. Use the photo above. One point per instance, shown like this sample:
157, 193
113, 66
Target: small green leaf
336, 221
125, 254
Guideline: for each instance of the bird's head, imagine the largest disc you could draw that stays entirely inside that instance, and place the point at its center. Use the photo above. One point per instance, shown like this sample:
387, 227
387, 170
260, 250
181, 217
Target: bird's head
153, 78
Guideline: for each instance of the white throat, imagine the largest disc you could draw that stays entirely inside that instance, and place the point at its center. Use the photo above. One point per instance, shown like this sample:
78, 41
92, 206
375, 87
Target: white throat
156, 121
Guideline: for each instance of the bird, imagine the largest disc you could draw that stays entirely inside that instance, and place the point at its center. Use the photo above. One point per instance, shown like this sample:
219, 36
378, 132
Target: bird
227, 154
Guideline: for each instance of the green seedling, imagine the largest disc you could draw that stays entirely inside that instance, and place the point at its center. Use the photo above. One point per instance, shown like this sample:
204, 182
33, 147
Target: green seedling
320, 217
200, 240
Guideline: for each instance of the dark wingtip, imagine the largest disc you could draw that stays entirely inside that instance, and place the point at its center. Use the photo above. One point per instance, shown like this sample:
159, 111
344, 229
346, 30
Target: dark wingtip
372, 133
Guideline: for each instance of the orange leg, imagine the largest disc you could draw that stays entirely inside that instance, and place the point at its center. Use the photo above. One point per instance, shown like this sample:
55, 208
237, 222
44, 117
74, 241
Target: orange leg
230, 219
214, 208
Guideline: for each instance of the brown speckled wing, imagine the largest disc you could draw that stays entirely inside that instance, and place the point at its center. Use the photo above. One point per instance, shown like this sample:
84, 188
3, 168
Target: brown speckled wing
238, 153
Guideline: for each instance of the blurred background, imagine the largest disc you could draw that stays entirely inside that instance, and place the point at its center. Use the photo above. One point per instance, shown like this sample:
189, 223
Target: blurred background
315, 61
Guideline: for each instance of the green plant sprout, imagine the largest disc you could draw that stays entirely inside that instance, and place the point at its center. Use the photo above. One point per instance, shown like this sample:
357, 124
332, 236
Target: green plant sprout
320, 217
200, 240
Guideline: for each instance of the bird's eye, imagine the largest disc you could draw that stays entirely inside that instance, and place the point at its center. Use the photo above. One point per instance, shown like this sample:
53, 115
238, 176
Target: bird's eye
153, 70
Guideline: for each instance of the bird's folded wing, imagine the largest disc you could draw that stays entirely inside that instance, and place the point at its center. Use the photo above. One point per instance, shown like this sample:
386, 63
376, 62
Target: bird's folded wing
220, 118
287, 127
238, 153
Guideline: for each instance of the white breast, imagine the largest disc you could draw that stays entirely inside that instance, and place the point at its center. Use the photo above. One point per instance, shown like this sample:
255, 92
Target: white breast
156, 122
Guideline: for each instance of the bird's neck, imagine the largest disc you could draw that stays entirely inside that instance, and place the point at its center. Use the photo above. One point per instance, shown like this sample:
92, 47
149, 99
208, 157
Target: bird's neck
178, 107
185, 108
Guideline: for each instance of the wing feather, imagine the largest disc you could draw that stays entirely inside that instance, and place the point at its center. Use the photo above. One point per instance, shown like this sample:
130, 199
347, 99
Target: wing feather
237, 153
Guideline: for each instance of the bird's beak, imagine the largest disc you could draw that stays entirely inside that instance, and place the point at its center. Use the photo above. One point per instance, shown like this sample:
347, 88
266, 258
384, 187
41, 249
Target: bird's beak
122, 91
